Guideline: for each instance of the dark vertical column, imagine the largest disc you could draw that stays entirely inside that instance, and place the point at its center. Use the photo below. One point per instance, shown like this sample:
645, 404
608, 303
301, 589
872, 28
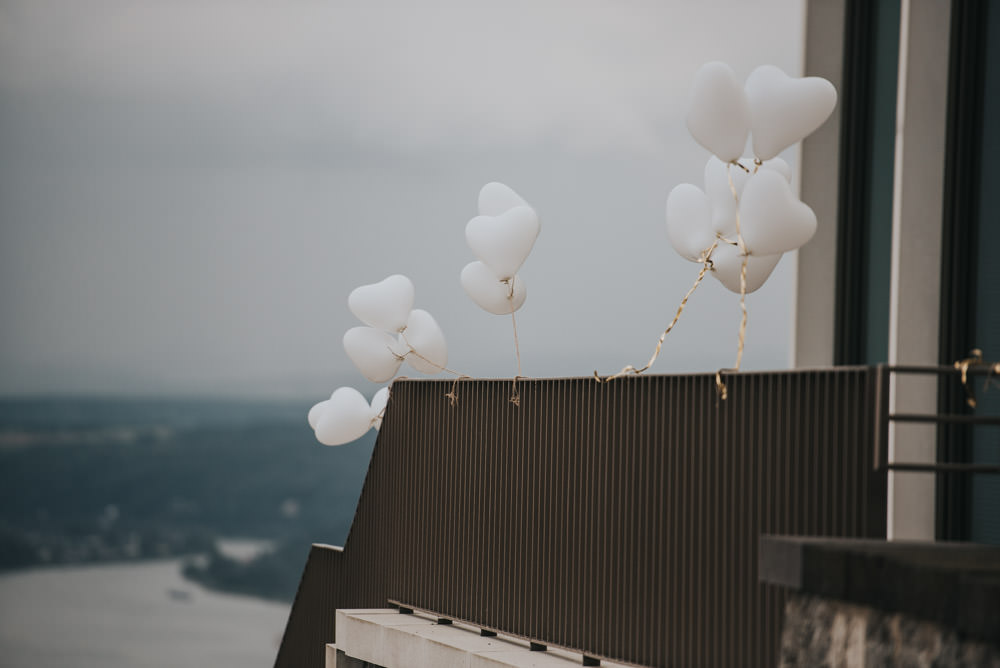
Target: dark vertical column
959, 243
867, 139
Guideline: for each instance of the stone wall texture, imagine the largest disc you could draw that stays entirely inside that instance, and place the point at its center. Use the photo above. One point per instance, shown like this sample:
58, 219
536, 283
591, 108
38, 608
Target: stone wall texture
824, 632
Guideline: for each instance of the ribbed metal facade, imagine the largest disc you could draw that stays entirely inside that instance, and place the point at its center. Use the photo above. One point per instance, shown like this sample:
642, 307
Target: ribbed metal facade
311, 622
620, 520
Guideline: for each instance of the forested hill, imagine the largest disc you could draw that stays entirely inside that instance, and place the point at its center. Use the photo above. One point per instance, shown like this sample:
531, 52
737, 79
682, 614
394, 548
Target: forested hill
99, 479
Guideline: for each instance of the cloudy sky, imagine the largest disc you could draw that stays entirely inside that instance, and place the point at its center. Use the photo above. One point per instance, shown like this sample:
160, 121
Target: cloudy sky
189, 189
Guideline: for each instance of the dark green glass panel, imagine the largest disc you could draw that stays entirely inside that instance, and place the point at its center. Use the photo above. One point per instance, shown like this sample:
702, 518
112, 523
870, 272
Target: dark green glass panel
985, 501
883, 141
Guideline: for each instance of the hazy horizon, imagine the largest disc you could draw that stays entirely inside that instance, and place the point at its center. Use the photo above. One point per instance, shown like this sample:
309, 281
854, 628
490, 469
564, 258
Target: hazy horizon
189, 191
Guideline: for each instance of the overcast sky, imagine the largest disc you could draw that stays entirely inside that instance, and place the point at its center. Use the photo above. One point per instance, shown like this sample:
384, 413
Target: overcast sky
189, 189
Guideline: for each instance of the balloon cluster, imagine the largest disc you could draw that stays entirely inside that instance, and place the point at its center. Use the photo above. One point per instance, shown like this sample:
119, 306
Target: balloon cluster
747, 216
394, 332
501, 236
737, 228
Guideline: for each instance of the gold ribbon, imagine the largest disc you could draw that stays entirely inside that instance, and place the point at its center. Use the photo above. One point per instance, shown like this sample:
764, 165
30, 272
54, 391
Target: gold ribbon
720, 386
706, 264
515, 397
381, 413
975, 359
452, 397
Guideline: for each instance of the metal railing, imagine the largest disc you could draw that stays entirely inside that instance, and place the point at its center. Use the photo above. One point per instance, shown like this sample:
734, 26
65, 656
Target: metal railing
619, 520
948, 375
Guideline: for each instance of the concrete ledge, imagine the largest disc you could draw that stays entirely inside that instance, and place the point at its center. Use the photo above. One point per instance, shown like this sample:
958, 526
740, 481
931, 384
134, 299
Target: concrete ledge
386, 638
954, 584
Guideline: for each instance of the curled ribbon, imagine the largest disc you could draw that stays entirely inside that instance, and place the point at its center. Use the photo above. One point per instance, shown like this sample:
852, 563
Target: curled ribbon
975, 359
515, 396
706, 265
451, 396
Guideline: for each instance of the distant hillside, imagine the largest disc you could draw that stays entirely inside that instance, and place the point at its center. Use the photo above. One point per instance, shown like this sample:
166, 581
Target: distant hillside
89, 479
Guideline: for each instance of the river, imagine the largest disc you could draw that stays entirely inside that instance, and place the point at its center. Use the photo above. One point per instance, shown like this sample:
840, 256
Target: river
133, 615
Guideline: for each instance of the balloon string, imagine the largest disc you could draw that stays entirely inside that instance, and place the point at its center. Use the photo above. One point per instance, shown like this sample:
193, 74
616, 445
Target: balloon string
381, 413
732, 189
706, 260
741, 166
720, 386
452, 397
412, 351
743, 307
706, 264
515, 397
741, 244
743, 268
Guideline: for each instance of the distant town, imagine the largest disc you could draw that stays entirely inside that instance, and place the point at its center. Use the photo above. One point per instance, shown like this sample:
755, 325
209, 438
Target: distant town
104, 480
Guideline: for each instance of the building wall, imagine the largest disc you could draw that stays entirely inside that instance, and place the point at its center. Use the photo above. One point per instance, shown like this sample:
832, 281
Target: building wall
815, 296
917, 205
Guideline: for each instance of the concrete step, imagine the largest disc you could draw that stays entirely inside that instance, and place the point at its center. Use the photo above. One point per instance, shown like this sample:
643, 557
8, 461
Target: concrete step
388, 639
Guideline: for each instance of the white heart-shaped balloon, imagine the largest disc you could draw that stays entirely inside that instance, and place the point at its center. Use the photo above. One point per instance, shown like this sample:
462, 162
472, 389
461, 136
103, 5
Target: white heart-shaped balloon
503, 242
489, 292
724, 205
780, 166
346, 418
496, 198
784, 110
727, 264
374, 352
385, 305
316, 412
718, 115
424, 336
379, 402
772, 219
689, 221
